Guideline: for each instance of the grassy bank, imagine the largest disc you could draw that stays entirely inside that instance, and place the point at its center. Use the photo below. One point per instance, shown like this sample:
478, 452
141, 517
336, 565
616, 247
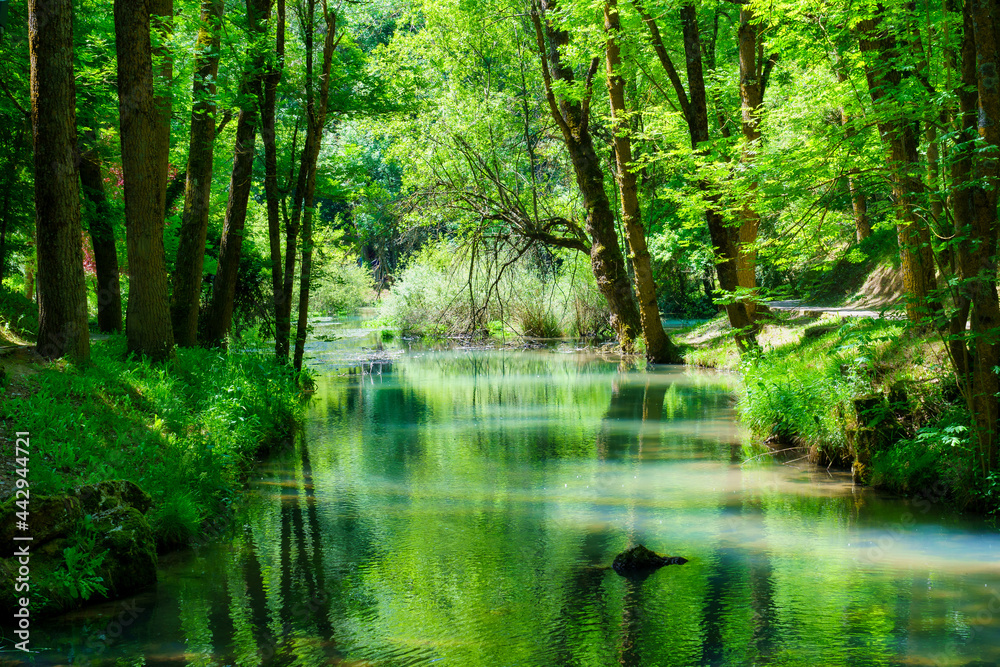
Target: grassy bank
874, 395
185, 432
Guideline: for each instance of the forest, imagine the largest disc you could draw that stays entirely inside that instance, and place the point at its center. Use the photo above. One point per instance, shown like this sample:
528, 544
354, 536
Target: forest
190, 191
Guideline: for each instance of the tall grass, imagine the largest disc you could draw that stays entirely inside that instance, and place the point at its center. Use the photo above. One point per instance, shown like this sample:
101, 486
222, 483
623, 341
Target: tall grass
448, 289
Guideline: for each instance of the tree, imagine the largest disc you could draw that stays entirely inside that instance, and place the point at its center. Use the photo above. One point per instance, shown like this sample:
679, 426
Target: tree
572, 117
231, 245
316, 120
659, 348
62, 302
897, 127
694, 107
147, 320
102, 235
198, 188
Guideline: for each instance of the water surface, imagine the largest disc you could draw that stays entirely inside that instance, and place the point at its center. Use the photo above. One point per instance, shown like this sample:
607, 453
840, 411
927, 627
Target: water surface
462, 507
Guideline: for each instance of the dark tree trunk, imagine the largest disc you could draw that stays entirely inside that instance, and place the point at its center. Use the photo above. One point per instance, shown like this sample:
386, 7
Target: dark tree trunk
198, 189
102, 235
659, 348
978, 257
573, 119
317, 120
271, 81
62, 300
147, 318
754, 72
725, 237
231, 246
694, 107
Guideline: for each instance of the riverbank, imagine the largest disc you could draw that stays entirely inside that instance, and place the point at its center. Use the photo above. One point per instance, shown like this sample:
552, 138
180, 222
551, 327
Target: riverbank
877, 396
177, 439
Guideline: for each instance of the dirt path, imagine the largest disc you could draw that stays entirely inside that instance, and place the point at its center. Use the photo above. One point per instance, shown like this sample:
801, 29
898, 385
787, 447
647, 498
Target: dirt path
797, 307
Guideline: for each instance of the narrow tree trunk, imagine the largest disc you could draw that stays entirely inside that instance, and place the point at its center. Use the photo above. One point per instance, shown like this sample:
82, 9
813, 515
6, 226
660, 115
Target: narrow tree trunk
198, 190
271, 81
62, 300
147, 318
109, 297
859, 204
659, 348
573, 119
725, 237
231, 246
317, 121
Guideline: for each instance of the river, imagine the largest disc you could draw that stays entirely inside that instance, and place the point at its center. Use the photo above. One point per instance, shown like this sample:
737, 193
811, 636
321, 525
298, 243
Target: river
462, 506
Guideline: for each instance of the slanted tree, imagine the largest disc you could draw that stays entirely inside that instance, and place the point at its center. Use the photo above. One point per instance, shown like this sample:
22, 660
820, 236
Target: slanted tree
572, 117
316, 121
62, 301
147, 319
271, 193
693, 103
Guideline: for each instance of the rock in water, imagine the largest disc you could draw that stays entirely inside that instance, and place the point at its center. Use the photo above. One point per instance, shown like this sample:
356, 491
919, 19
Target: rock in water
639, 560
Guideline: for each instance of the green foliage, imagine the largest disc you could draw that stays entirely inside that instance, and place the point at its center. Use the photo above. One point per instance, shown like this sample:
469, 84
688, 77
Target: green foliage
938, 453
79, 580
18, 314
185, 432
537, 295
342, 288
802, 392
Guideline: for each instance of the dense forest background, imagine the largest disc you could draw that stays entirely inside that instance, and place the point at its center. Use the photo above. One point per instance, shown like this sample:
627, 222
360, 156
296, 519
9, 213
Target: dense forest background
186, 170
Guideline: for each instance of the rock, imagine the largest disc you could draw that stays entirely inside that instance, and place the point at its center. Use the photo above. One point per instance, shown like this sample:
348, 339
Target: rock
130, 563
122, 541
641, 561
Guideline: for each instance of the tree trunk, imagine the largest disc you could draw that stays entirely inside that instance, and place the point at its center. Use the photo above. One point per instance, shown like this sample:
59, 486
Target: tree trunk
725, 237
271, 81
231, 246
659, 348
879, 48
62, 300
985, 311
198, 188
317, 120
859, 204
752, 85
573, 118
147, 318
102, 235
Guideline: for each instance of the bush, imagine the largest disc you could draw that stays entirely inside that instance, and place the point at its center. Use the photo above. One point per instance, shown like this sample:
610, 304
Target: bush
343, 288
538, 294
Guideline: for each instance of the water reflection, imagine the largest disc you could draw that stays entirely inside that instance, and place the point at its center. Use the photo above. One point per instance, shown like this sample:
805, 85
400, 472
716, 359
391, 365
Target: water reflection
462, 508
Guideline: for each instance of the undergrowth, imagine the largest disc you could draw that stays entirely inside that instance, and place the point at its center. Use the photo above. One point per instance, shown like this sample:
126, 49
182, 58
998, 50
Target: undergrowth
185, 431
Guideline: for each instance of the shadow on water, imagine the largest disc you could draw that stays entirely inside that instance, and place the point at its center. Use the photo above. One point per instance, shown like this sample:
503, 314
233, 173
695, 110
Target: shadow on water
463, 508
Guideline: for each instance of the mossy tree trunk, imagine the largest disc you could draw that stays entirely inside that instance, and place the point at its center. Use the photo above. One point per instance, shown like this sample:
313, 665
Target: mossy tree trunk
198, 186
62, 301
147, 318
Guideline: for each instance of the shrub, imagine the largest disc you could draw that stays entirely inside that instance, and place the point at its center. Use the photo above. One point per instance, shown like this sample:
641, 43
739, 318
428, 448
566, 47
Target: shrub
343, 287
537, 294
